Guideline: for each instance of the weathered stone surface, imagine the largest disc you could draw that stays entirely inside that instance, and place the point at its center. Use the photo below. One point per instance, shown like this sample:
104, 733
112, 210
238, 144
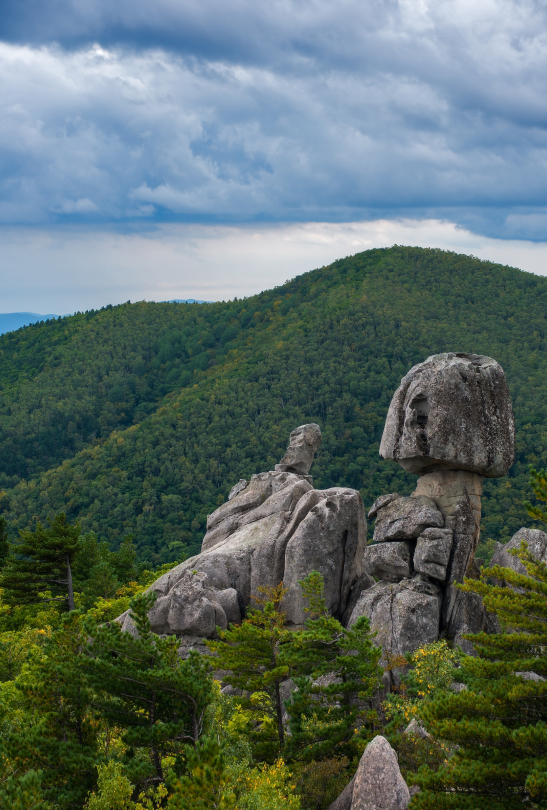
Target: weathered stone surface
378, 782
405, 518
266, 494
380, 502
194, 608
239, 487
405, 615
457, 493
415, 728
343, 802
304, 443
361, 584
276, 529
452, 411
327, 534
470, 616
389, 561
433, 552
537, 546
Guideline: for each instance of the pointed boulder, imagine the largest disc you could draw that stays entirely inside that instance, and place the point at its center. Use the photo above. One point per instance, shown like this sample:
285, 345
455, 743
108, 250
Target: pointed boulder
378, 781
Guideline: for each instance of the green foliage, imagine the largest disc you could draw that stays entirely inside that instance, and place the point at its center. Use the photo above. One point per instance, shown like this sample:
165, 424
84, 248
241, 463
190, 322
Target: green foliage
57, 735
99, 572
252, 653
4, 540
319, 783
431, 671
206, 786
41, 561
114, 790
100, 411
500, 722
141, 685
24, 793
335, 670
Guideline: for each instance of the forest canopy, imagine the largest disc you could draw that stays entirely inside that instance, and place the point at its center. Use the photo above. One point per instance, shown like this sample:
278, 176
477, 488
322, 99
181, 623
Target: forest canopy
137, 419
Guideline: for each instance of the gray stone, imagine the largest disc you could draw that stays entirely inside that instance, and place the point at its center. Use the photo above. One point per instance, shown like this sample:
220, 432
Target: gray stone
389, 561
304, 443
415, 728
530, 676
378, 781
433, 552
404, 615
239, 487
470, 616
380, 502
267, 494
456, 686
537, 546
452, 411
457, 494
406, 518
343, 802
327, 534
361, 584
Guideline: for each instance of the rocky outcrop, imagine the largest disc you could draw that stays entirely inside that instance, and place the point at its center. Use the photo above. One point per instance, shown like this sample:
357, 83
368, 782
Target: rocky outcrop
536, 541
452, 411
274, 528
404, 615
451, 422
379, 784
304, 442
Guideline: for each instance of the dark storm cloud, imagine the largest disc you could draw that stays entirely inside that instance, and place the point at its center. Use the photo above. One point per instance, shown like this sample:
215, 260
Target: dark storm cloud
236, 110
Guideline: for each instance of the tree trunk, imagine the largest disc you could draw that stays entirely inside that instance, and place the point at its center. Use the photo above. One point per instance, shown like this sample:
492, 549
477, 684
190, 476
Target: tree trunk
279, 710
69, 579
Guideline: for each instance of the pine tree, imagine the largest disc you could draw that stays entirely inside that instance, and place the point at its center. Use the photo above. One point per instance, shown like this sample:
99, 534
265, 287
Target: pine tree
251, 653
24, 793
498, 726
41, 561
58, 737
335, 671
144, 688
206, 784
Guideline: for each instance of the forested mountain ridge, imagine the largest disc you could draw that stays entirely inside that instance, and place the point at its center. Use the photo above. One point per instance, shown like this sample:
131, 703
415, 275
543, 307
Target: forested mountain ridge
139, 418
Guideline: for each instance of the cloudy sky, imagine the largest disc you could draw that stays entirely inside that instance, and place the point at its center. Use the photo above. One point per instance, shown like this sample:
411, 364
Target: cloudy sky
211, 148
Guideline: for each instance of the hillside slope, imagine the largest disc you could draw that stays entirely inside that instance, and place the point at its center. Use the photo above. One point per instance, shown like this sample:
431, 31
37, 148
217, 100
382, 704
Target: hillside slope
139, 418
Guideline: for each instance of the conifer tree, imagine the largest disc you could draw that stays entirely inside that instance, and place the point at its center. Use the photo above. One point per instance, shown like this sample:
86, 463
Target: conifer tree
59, 737
144, 688
251, 652
335, 671
206, 784
499, 724
41, 561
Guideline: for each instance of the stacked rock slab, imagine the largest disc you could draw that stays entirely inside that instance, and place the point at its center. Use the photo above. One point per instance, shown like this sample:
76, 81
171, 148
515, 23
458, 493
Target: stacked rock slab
274, 528
451, 423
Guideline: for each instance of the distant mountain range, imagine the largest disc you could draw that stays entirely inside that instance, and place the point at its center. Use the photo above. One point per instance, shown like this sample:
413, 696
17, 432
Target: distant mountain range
10, 321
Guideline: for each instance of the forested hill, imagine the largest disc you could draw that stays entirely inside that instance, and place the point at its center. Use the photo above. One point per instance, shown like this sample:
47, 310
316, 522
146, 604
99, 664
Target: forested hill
137, 419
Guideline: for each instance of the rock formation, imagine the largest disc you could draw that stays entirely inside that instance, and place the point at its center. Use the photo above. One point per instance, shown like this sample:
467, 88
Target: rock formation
450, 422
274, 528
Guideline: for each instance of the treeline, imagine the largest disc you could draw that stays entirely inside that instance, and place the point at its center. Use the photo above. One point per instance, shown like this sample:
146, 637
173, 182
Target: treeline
94, 718
138, 419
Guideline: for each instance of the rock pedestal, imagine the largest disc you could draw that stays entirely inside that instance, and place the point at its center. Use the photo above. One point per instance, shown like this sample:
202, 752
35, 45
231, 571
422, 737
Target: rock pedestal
450, 422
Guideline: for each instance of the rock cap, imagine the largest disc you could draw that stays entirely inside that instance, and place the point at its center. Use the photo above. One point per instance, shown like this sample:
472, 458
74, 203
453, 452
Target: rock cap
453, 411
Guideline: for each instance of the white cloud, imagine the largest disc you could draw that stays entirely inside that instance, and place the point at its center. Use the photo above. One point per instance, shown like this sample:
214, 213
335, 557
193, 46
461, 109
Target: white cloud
280, 111
67, 270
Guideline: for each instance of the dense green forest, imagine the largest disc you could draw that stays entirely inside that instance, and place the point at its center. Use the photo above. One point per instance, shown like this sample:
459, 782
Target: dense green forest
137, 419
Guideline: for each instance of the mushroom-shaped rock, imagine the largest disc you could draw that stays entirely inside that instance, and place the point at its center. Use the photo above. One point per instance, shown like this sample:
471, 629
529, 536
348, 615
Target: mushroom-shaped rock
452, 411
304, 442
379, 784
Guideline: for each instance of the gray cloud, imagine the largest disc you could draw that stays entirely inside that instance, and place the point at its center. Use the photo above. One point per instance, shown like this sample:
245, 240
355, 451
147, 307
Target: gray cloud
283, 111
